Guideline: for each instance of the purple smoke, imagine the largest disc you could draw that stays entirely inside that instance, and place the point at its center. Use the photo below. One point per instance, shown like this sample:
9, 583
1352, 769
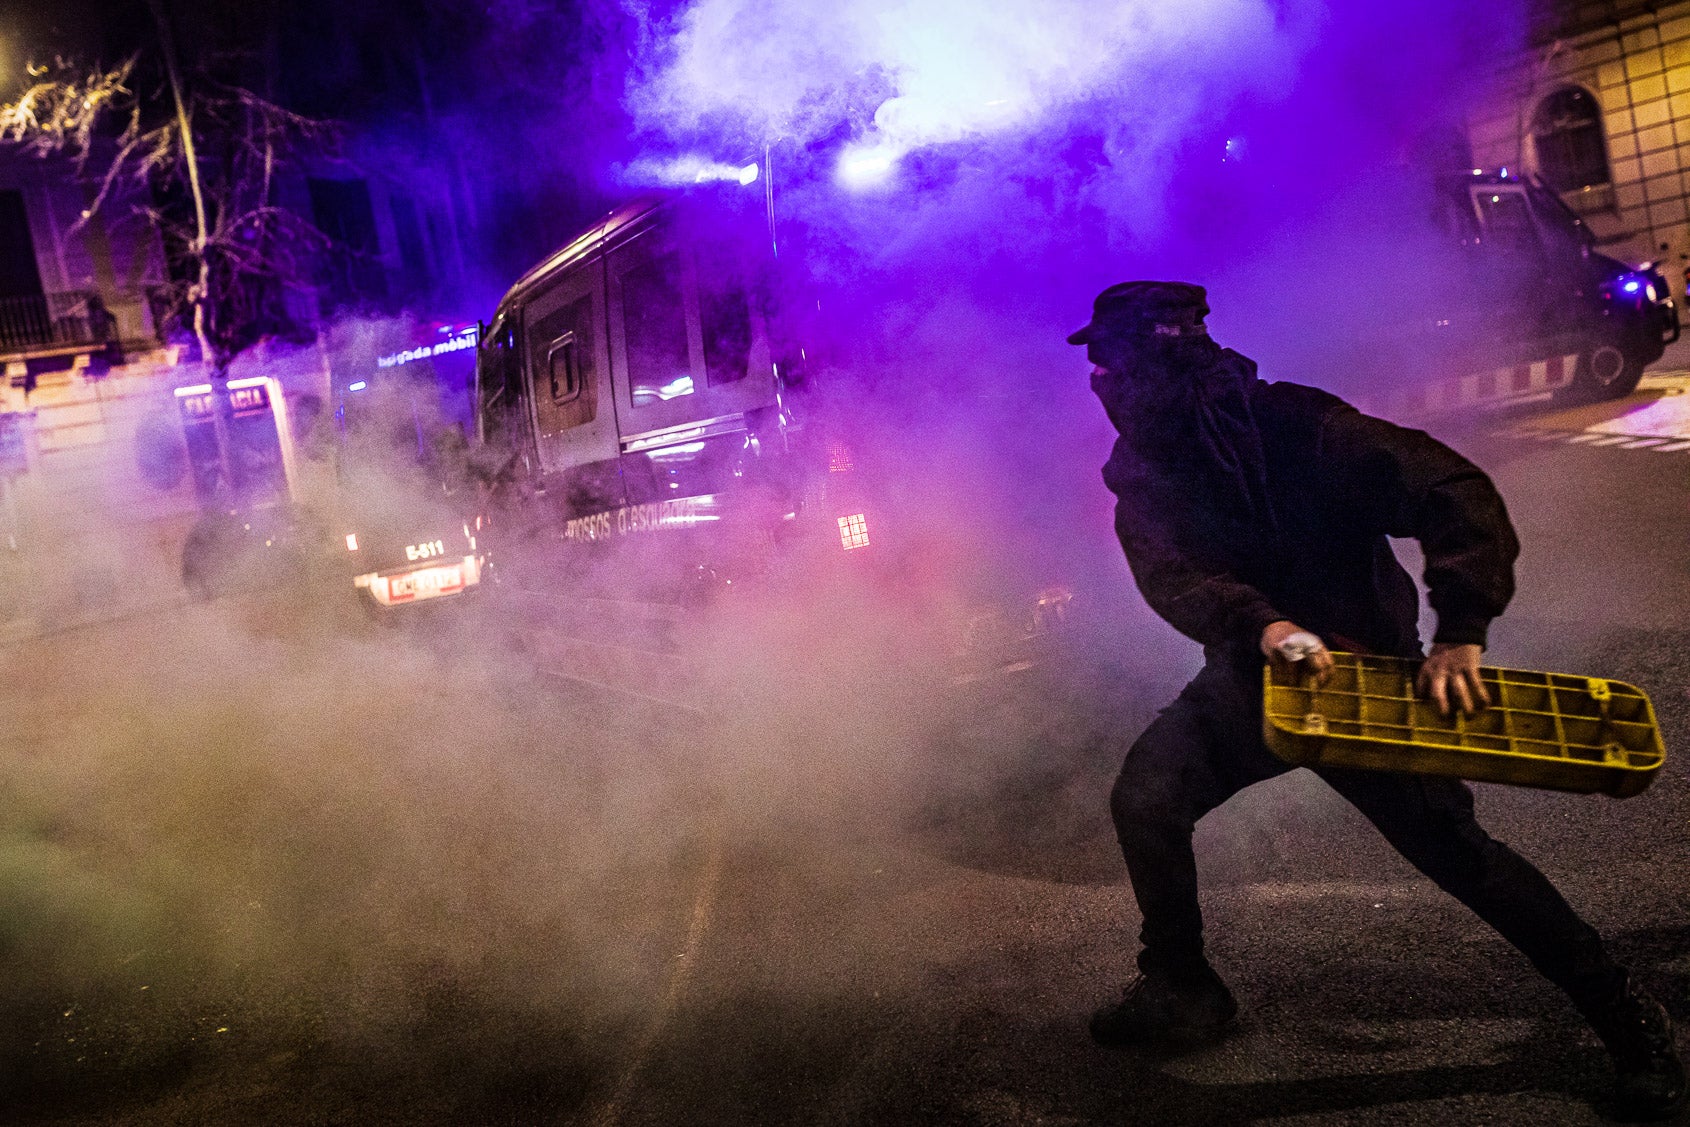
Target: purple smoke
1032, 152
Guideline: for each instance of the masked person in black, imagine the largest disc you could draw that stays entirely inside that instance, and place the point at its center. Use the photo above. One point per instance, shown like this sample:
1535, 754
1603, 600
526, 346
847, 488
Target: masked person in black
1255, 518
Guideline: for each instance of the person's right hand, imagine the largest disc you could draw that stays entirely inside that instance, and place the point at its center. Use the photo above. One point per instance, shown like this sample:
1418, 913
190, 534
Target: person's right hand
1291, 649
1450, 677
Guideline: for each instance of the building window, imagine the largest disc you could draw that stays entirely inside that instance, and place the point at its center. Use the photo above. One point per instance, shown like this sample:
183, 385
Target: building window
407, 232
1567, 134
352, 273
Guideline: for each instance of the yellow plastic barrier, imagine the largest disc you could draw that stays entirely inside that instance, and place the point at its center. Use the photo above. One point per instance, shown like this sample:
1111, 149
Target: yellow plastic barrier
1549, 730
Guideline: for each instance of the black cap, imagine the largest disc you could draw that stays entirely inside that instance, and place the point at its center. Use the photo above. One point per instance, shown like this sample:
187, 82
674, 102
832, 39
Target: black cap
1152, 309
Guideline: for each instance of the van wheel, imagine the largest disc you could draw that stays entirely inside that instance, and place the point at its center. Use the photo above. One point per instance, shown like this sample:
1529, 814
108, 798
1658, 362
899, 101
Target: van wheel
1605, 372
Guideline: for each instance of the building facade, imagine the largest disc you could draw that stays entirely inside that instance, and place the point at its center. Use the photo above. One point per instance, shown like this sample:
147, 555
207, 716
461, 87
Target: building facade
1599, 109
98, 487
68, 277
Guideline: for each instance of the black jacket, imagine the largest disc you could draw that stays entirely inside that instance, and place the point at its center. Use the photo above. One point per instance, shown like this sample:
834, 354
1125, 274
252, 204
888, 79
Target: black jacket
1339, 483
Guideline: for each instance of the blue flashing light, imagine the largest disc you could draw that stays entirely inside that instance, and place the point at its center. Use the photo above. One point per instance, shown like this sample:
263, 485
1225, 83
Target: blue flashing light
1633, 286
359, 386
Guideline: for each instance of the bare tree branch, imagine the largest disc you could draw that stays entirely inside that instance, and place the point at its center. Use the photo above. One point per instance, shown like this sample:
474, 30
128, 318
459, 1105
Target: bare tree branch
62, 107
216, 145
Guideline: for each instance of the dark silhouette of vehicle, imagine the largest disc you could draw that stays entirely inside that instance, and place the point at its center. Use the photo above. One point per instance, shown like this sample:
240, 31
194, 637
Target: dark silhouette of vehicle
405, 506
651, 434
1518, 301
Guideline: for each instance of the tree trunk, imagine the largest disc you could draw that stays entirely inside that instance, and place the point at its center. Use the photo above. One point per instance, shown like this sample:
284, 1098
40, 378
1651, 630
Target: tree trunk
190, 157
200, 295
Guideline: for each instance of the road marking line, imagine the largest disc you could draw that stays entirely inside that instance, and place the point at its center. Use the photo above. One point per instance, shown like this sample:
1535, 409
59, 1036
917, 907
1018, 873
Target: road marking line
666, 702
1643, 442
704, 903
1674, 447
1585, 436
1613, 440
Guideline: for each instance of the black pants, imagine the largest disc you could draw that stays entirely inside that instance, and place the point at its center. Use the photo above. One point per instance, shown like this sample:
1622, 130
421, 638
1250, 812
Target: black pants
1207, 746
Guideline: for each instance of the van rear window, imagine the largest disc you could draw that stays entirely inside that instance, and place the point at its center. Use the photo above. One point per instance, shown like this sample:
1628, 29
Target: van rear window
655, 327
498, 387
1508, 222
724, 311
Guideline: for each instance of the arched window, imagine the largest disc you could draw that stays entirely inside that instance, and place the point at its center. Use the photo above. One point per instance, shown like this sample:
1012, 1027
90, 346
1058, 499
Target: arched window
1567, 133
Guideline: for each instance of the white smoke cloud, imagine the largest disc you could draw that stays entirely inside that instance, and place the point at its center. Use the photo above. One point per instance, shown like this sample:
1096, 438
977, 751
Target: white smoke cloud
905, 75
950, 69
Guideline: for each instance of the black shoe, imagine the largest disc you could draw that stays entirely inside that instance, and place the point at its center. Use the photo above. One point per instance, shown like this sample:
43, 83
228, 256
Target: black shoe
1648, 1076
1157, 1012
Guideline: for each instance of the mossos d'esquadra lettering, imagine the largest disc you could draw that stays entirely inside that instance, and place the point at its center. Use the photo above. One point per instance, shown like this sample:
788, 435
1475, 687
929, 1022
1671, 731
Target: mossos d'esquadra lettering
648, 517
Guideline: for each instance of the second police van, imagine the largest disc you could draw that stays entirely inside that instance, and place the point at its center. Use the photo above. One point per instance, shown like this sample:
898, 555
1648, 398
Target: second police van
648, 435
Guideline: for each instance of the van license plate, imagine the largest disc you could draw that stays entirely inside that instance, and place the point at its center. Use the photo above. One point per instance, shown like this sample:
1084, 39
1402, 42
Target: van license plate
427, 583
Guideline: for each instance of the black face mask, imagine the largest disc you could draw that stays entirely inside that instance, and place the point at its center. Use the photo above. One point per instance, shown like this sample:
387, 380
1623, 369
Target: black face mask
1142, 393
1115, 354
1188, 408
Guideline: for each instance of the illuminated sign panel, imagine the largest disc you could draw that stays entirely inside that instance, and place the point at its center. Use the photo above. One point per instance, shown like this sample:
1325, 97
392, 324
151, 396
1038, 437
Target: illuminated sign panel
245, 398
465, 338
255, 460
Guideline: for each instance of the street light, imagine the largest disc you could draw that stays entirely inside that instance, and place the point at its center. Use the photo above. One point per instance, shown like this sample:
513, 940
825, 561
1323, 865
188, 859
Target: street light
866, 166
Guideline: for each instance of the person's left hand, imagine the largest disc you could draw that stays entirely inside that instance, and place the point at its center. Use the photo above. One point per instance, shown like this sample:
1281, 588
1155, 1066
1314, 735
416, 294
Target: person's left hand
1296, 652
1451, 671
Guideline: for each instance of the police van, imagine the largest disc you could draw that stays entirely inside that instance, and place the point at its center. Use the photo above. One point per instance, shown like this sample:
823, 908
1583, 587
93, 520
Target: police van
405, 510
649, 435
1520, 303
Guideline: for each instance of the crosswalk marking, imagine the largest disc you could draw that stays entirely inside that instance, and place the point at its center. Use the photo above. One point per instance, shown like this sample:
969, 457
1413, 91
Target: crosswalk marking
1658, 444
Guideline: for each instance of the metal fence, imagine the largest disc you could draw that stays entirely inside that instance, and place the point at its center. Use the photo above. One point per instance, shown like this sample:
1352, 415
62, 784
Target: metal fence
37, 320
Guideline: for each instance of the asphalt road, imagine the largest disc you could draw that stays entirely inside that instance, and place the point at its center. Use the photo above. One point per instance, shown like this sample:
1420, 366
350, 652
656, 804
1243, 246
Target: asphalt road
372, 880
